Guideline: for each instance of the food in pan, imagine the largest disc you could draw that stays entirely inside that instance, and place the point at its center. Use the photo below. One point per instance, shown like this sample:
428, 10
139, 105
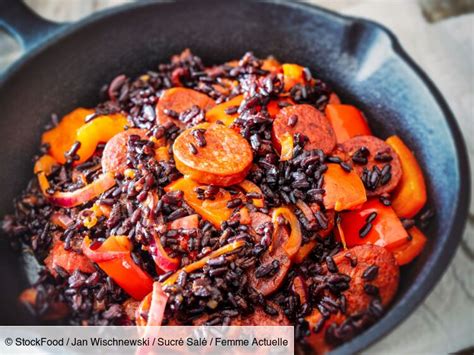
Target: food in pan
244, 193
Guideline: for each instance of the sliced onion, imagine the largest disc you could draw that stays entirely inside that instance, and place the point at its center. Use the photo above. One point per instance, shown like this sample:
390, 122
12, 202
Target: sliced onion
161, 257
82, 195
153, 305
308, 213
157, 306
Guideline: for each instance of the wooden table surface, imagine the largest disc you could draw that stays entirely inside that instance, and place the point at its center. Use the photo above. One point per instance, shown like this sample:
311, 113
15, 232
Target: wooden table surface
444, 323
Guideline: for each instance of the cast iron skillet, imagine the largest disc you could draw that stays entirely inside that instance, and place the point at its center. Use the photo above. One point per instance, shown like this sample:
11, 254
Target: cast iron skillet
362, 60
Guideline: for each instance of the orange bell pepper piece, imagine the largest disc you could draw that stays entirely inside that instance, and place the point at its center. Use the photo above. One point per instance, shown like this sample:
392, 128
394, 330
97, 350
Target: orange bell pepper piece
162, 153
272, 65
99, 130
273, 107
410, 195
287, 145
249, 186
217, 113
347, 122
292, 74
214, 211
63, 136
386, 228
344, 190
113, 256
44, 164
304, 251
407, 252
200, 263
293, 244
245, 216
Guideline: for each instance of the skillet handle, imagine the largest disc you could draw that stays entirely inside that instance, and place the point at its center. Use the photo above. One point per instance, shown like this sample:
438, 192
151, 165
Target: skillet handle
26, 26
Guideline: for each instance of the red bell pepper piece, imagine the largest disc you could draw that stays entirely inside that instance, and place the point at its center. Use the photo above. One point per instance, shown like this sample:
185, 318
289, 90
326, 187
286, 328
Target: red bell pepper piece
67, 259
113, 256
161, 257
273, 107
385, 229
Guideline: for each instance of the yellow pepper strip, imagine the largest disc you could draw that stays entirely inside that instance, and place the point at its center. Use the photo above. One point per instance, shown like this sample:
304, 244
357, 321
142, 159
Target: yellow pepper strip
287, 145
292, 245
200, 263
249, 186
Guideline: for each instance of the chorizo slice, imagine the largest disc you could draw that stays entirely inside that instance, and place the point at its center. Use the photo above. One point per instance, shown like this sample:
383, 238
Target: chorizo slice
373, 273
269, 283
326, 219
385, 278
375, 162
212, 154
114, 156
258, 220
177, 100
259, 317
306, 120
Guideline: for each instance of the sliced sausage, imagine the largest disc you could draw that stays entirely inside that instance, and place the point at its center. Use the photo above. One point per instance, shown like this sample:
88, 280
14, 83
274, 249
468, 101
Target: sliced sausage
213, 154
114, 156
366, 265
375, 161
326, 221
269, 284
258, 317
175, 101
309, 122
386, 279
258, 221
